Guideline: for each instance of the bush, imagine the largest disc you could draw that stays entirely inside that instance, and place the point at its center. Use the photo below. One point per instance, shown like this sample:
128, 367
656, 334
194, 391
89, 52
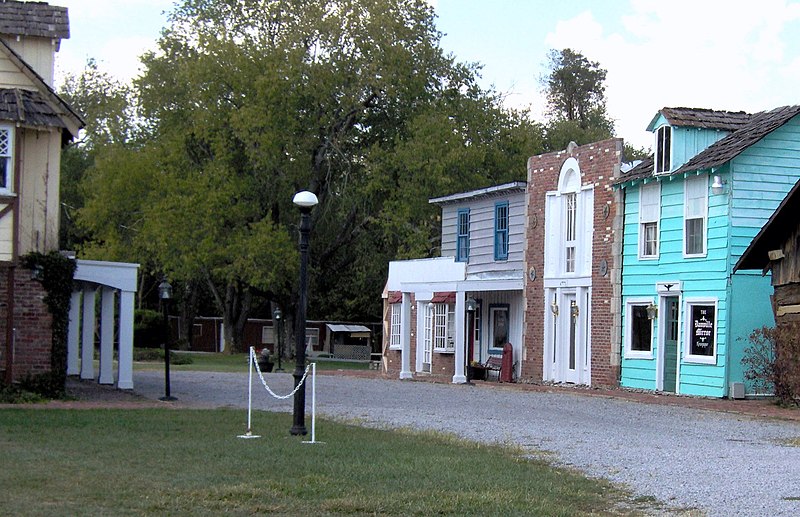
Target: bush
148, 329
772, 362
16, 395
157, 355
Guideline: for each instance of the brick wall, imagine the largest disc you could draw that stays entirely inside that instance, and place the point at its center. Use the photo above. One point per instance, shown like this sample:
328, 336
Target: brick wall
599, 164
32, 323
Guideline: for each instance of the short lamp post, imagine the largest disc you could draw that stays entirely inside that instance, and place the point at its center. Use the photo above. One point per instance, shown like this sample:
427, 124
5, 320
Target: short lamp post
472, 306
305, 200
277, 323
164, 296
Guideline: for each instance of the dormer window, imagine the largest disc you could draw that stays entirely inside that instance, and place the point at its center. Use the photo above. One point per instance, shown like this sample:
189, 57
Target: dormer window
663, 149
6, 159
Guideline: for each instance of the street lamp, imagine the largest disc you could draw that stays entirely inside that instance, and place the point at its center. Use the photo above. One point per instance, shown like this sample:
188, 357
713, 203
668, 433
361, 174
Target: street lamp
164, 295
472, 306
305, 200
277, 324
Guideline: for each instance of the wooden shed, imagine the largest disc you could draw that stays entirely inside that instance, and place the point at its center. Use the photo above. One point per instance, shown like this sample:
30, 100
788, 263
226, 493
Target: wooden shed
776, 249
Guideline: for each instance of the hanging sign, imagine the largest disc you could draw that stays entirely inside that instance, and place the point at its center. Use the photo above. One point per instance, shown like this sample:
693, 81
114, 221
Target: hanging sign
703, 332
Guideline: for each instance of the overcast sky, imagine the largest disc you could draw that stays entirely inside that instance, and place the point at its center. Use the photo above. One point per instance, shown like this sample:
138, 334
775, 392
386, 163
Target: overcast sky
735, 54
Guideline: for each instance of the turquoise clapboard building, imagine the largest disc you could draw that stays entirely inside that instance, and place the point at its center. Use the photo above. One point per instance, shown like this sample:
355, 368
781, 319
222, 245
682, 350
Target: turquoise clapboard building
689, 213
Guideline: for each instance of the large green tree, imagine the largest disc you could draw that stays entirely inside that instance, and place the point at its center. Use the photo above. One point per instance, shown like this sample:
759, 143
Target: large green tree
245, 102
576, 101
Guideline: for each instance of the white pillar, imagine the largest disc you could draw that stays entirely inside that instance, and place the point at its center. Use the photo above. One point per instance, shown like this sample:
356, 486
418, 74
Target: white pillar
405, 337
106, 335
461, 341
125, 377
87, 334
73, 334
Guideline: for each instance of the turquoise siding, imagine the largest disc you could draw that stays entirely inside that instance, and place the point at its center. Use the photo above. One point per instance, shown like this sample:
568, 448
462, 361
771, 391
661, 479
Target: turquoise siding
758, 179
688, 141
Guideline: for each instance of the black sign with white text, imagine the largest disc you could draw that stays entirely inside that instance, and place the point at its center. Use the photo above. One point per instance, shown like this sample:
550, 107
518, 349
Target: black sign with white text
702, 331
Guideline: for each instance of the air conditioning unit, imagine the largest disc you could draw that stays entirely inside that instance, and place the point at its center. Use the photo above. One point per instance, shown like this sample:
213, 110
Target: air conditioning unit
737, 390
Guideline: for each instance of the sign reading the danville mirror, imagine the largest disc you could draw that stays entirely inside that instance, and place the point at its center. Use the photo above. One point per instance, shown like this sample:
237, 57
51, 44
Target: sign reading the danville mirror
702, 332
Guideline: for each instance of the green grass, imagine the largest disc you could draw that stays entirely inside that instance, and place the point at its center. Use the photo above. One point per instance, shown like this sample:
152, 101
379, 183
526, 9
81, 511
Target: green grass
190, 462
236, 363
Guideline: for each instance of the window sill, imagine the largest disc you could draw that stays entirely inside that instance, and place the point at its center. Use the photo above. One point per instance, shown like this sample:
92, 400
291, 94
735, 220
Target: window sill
698, 256
648, 257
633, 354
701, 359
444, 350
396, 347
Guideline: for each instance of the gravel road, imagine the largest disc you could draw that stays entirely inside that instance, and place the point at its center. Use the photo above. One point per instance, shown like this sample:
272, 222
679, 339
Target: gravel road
720, 463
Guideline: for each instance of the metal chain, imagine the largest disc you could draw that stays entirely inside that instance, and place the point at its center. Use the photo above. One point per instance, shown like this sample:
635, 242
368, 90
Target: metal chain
260, 376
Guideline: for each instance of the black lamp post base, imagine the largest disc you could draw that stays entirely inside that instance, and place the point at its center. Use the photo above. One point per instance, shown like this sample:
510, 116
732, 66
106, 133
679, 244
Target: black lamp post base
167, 399
298, 430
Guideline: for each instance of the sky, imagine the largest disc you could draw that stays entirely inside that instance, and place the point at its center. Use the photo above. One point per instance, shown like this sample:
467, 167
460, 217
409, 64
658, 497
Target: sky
736, 55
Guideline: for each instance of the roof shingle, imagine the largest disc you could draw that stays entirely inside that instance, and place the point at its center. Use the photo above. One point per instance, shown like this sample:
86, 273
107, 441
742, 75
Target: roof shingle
706, 118
33, 19
28, 108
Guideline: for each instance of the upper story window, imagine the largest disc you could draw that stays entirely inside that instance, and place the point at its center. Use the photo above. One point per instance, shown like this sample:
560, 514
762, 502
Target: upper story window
695, 211
663, 149
462, 240
571, 228
6, 159
649, 212
501, 231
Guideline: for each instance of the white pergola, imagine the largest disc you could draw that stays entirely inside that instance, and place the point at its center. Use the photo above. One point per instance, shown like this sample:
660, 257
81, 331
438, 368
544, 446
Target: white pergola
109, 278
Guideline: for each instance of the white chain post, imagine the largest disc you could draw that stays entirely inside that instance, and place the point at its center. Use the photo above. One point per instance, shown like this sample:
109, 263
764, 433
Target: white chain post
249, 433
313, 403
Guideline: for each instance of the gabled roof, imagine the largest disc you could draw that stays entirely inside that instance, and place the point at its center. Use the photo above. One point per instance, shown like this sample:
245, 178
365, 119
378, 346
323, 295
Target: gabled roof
772, 234
69, 119
515, 186
33, 19
726, 149
721, 151
702, 118
28, 108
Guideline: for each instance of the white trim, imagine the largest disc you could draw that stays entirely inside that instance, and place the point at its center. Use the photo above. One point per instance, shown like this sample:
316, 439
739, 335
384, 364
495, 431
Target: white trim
687, 331
655, 189
395, 326
657, 150
636, 354
698, 178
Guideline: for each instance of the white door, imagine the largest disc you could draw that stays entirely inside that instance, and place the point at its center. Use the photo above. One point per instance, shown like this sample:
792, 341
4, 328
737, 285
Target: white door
568, 351
427, 340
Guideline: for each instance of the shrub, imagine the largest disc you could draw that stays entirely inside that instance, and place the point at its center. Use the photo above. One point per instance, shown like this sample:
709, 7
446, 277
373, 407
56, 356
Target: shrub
772, 362
148, 329
14, 394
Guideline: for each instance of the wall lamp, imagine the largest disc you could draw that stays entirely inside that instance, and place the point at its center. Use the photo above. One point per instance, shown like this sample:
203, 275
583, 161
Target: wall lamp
718, 185
652, 311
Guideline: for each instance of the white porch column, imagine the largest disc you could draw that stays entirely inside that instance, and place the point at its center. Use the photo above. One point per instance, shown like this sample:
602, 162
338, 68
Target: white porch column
405, 337
87, 334
125, 377
106, 335
461, 342
73, 334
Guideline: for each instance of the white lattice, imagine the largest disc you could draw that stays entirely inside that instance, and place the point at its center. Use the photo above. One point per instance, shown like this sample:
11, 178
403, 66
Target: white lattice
5, 142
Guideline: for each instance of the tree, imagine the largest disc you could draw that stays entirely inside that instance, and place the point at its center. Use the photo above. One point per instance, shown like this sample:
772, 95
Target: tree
246, 102
576, 103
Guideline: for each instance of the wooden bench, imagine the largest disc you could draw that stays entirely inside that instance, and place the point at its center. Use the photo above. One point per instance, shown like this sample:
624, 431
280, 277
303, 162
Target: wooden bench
493, 364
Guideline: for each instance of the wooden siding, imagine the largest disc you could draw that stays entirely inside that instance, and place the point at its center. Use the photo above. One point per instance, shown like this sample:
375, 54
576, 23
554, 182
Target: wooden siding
762, 176
39, 199
481, 233
6, 233
11, 77
39, 53
688, 141
704, 277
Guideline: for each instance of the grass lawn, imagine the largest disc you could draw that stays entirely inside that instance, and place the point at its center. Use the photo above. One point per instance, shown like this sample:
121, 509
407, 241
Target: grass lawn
179, 462
237, 363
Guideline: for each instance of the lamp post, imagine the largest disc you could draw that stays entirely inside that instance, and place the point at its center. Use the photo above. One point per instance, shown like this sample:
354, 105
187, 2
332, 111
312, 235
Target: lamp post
164, 295
277, 323
305, 200
472, 305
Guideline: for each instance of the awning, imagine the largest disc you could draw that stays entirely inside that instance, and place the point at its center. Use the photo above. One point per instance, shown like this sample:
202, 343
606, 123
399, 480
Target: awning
395, 297
445, 297
346, 328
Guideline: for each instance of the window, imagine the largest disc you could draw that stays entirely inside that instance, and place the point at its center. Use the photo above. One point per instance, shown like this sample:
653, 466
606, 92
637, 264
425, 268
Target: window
695, 210
649, 212
6, 160
498, 319
462, 242
701, 331
268, 335
663, 149
444, 323
639, 332
571, 231
501, 231
394, 333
